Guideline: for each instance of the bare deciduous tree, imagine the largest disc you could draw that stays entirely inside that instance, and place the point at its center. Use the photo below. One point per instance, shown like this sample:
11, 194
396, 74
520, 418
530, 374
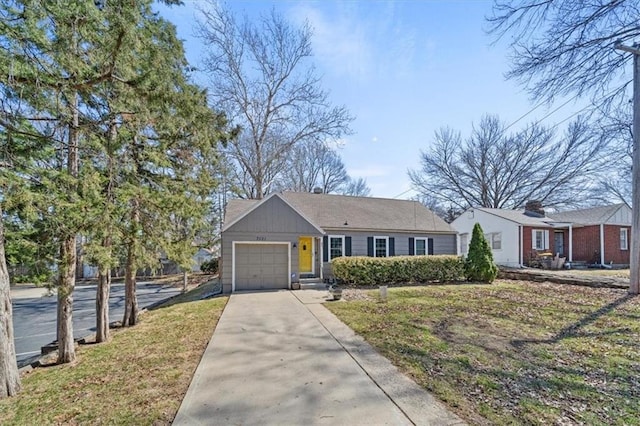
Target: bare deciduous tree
356, 187
261, 77
566, 47
562, 47
311, 165
495, 169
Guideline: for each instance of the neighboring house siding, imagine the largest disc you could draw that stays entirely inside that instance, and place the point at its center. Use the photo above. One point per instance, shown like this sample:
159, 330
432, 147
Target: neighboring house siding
527, 242
586, 244
612, 252
622, 216
509, 254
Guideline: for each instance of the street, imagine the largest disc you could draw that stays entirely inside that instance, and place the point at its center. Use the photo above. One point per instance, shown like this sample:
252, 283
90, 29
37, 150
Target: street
34, 312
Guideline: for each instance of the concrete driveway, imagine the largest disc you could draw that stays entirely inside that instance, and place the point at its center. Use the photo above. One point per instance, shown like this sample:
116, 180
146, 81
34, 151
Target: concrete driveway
282, 358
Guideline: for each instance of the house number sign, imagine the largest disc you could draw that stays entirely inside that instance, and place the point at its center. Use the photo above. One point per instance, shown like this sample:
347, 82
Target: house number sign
259, 238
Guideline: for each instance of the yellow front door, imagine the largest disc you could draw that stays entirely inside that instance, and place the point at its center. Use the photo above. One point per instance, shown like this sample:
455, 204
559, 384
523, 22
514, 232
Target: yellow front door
305, 255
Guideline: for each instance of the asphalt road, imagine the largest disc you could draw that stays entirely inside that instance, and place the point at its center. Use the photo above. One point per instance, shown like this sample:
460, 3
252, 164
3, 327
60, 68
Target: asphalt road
34, 313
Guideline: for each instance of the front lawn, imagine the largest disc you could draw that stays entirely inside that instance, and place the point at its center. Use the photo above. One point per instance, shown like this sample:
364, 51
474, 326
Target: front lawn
512, 352
139, 377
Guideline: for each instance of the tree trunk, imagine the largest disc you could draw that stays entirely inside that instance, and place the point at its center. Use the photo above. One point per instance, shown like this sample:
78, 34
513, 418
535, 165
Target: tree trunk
9, 376
185, 276
104, 274
68, 253
102, 304
66, 285
130, 299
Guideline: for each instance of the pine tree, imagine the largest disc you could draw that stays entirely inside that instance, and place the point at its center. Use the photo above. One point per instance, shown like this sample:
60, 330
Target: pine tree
479, 265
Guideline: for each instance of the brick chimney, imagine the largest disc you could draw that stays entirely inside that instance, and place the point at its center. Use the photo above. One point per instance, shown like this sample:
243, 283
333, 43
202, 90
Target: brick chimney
534, 208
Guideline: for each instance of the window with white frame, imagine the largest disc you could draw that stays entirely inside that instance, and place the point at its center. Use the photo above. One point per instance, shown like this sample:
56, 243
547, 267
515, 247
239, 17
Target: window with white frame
624, 239
540, 239
336, 246
464, 244
420, 248
495, 240
381, 246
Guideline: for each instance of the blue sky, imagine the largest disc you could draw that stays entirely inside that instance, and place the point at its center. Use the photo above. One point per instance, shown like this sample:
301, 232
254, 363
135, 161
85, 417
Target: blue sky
404, 69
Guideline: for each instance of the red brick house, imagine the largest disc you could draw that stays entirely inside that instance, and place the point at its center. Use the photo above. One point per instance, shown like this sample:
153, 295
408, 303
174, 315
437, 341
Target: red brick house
597, 235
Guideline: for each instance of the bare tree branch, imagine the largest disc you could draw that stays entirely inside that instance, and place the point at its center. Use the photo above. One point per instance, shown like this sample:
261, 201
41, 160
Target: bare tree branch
261, 77
498, 170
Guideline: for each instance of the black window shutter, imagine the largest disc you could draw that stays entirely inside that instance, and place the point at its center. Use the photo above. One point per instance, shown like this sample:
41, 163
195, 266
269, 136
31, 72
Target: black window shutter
430, 245
347, 246
370, 246
325, 248
392, 246
412, 246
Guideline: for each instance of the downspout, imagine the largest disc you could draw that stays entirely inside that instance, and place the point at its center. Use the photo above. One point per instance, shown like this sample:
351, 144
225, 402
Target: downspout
602, 244
521, 242
570, 243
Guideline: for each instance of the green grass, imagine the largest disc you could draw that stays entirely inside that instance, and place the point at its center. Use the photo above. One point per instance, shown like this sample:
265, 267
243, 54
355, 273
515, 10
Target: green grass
139, 377
512, 352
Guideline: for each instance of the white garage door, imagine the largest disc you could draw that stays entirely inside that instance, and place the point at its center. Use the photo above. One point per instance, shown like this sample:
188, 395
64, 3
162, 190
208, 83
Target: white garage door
261, 266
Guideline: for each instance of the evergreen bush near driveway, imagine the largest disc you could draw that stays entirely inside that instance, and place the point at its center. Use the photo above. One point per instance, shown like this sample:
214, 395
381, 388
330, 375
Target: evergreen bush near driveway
210, 266
363, 270
479, 265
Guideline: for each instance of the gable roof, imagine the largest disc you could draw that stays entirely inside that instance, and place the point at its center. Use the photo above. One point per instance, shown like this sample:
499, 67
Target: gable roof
590, 216
236, 208
242, 208
518, 216
329, 211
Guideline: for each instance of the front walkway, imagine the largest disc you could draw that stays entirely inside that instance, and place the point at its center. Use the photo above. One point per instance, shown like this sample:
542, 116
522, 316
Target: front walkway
282, 358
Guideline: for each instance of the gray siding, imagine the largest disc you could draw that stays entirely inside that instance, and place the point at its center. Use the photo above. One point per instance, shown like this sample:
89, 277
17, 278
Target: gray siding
273, 216
442, 243
274, 221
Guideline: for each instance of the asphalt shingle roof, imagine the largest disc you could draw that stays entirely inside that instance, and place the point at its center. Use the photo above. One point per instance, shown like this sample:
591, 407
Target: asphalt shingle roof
329, 211
236, 207
518, 216
591, 216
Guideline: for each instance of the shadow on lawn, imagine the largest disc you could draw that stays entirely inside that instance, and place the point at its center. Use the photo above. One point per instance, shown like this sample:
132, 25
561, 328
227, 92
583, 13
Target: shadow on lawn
573, 330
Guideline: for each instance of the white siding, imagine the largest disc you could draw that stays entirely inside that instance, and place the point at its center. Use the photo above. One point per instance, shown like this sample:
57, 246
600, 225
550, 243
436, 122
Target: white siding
621, 217
509, 254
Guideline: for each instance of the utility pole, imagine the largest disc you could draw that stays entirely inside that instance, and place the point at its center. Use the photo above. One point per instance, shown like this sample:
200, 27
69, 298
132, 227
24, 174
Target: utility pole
634, 261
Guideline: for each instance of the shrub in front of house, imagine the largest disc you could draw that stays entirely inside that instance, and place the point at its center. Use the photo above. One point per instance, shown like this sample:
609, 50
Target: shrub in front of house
479, 265
210, 266
362, 270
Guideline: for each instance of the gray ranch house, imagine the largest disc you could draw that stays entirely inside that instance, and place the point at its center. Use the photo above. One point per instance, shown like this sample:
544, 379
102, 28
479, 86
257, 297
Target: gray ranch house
272, 243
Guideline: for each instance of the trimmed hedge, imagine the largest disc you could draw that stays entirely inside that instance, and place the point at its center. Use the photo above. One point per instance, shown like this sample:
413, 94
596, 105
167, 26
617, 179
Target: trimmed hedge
363, 270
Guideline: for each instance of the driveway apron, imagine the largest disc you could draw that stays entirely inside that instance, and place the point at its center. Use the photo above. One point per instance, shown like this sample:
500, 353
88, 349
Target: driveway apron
270, 361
